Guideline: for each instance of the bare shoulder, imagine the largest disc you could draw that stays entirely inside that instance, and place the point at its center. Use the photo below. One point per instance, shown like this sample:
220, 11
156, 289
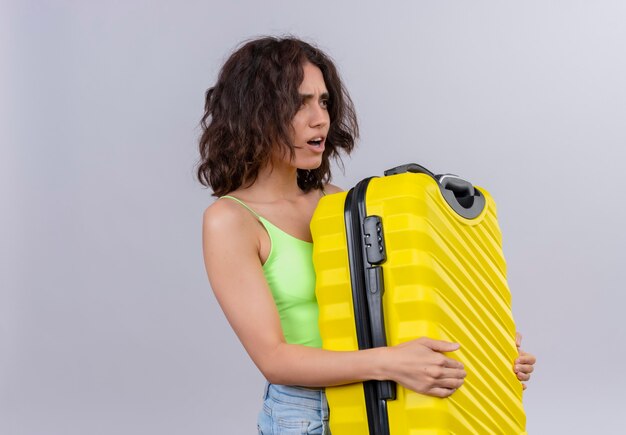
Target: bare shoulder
331, 188
226, 218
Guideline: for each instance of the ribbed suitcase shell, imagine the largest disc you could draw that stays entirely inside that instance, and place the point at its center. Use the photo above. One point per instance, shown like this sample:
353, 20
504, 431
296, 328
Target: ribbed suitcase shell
444, 278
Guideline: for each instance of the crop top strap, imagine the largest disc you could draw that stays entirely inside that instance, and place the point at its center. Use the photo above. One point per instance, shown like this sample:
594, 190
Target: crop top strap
258, 216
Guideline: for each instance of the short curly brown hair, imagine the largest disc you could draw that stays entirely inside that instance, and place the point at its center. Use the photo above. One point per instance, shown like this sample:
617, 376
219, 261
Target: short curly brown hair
249, 112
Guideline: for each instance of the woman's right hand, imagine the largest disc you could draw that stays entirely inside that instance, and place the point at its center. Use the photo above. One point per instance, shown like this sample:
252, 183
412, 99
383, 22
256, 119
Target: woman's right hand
419, 365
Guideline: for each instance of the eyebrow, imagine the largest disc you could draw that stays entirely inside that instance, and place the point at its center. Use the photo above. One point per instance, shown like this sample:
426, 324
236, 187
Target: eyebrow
323, 96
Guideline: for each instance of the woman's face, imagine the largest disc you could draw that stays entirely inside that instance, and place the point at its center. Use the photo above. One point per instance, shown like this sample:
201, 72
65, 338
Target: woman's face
311, 122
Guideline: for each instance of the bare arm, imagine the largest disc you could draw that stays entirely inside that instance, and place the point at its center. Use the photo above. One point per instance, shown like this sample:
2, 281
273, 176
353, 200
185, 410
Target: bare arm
231, 253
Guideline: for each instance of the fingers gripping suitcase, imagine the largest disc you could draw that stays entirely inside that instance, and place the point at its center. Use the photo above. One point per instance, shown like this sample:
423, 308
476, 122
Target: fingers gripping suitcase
408, 255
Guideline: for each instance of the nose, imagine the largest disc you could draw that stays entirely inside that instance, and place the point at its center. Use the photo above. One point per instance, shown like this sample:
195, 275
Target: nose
319, 116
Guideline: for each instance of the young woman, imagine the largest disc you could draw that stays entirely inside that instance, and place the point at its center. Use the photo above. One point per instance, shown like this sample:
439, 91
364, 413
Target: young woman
273, 120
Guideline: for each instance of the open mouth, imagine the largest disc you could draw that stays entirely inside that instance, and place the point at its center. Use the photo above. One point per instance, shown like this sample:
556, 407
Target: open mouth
316, 142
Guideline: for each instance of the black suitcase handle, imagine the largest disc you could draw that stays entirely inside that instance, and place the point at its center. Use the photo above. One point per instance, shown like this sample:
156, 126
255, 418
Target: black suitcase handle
376, 288
410, 167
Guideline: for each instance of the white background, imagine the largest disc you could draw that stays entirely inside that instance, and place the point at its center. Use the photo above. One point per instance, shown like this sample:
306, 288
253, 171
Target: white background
107, 322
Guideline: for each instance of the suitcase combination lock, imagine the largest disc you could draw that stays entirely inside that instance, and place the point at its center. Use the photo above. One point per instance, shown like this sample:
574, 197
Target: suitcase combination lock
373, 239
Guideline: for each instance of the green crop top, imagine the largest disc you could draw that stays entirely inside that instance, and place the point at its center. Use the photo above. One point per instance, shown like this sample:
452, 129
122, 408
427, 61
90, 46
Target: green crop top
291, 278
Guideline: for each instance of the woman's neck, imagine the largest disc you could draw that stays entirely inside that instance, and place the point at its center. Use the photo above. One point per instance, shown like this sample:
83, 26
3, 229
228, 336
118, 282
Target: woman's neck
274, 183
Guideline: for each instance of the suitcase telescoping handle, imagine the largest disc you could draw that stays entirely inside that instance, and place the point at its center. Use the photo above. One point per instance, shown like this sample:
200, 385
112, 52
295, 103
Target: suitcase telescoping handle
460, 195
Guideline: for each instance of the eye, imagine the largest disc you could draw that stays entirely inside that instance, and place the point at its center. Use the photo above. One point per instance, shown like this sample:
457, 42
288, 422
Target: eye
324, 103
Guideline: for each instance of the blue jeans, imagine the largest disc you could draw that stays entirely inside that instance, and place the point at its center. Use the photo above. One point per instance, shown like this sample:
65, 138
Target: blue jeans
289, 410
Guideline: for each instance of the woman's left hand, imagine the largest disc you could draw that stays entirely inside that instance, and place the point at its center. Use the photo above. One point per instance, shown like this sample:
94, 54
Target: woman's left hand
524, 364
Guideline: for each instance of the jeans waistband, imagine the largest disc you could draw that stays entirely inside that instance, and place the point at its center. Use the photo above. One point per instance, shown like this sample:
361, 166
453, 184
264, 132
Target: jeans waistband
295, 395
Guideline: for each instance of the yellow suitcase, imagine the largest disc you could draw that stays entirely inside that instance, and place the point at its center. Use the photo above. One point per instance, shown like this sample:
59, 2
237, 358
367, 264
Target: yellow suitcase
407, 255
